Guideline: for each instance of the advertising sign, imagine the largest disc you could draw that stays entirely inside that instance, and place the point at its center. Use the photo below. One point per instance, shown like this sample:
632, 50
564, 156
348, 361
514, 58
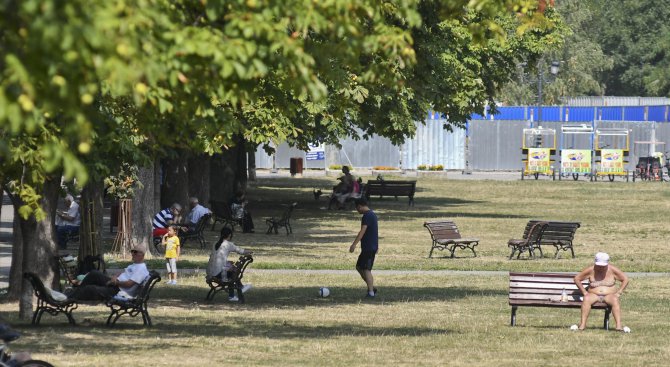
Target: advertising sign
315, 153
539, 160
611, 161
576, 161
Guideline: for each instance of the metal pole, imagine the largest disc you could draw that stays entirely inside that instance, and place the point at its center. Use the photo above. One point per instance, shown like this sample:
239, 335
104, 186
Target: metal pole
540, 79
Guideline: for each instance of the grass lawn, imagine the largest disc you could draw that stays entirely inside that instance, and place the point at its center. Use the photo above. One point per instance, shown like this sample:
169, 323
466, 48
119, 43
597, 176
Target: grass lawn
454, 320
417, 319
627, 220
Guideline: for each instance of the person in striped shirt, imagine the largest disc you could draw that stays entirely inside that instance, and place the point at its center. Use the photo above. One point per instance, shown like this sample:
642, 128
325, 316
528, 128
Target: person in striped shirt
164, 218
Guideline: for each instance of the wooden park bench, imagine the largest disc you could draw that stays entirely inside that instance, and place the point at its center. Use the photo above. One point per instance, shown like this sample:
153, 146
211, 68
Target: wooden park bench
235, 282
222, 213
446, 236
529, 242
545, 290
70, 268
284, 221
135, 306
197, 232
47, 303
555, 233
391, 188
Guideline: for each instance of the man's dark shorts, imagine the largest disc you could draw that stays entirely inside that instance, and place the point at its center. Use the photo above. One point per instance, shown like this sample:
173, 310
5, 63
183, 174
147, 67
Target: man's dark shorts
366, 260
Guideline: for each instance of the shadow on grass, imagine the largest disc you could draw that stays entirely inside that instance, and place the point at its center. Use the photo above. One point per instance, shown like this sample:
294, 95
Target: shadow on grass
300, 297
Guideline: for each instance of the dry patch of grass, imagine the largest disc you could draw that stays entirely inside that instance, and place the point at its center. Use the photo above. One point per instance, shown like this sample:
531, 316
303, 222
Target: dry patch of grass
419, 319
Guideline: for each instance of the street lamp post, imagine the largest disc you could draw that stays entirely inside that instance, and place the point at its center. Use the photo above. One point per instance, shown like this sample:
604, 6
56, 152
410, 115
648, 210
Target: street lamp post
540, 80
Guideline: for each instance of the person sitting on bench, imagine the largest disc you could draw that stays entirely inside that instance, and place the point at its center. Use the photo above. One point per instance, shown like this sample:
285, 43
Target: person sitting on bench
97, 286
343, 189
602, 277
68, 222
219, 266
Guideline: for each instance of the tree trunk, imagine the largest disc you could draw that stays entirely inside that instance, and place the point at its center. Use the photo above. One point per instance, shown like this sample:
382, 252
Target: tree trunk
198, 177
16, 267
175, 184
90, 231
143, 208
241, 163
38, 245
222, 176
251, 159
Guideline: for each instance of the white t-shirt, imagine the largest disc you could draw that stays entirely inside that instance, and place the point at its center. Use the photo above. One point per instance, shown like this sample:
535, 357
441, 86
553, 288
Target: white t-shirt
72, 211
137, 273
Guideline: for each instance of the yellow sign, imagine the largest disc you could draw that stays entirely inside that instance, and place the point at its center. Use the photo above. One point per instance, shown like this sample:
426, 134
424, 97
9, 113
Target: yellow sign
611, 161
576, 161
539, 160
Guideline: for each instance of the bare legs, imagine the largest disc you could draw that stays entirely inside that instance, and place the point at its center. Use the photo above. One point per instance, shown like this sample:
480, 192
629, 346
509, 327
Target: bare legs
610, 299
368, 279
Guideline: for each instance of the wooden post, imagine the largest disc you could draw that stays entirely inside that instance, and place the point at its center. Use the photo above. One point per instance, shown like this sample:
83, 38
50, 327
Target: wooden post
122, 242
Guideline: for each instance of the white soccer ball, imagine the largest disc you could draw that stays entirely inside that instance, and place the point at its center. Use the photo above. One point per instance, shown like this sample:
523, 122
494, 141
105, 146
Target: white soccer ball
574, 327
324, 292
626, 329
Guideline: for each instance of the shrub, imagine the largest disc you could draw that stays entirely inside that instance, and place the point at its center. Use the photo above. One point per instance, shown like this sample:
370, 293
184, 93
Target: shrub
384, 168
437, 167
422, 167
335, 167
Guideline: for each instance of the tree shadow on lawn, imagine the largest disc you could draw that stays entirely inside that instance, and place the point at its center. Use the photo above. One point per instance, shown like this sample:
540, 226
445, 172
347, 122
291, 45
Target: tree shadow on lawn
174, 329
300, 297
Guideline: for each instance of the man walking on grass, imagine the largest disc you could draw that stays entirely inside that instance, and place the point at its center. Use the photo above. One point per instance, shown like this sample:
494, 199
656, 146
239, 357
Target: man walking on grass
368, 236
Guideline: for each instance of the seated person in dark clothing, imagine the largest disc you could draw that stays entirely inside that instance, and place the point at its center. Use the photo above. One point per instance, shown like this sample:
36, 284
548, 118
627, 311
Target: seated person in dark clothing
238, 207
97, 286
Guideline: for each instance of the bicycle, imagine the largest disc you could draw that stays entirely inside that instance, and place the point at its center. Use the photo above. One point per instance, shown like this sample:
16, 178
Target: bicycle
6, 359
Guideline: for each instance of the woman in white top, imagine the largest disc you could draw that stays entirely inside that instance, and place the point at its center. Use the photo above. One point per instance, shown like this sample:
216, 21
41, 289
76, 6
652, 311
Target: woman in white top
219, 266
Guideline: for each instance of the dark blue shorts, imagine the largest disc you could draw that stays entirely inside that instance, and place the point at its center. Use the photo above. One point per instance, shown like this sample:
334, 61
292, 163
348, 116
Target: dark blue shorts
366, 260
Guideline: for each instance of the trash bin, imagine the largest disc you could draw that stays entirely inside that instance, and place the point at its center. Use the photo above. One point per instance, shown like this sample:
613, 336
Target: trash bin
296, 166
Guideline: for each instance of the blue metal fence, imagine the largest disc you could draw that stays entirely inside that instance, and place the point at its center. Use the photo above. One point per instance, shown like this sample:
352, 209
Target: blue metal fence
578, 114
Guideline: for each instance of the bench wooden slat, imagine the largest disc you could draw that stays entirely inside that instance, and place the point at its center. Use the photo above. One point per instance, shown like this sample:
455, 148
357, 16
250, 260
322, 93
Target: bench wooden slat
545, 290
446, 236
391, 188
556, 233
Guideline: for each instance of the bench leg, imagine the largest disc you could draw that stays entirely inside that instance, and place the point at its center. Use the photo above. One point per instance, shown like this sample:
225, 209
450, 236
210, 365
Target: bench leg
512, 254
146, 318
472, 247
606, 322
513, 319
452, 250
430, 254
36, 316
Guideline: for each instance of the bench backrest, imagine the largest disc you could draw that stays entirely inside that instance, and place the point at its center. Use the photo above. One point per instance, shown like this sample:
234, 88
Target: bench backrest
376, 187
69, 268
221, 209
563, 232
241, 265
545, 289
443, 230
146, 287
555, 229
40, 289
286, 216
202, 222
